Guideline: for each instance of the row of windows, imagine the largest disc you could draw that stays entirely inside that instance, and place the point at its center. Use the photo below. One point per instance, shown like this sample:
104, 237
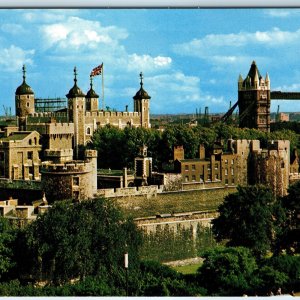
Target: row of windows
193, 178
193, 167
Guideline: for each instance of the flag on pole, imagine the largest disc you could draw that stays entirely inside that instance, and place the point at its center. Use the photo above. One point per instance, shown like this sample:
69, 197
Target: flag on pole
97, 71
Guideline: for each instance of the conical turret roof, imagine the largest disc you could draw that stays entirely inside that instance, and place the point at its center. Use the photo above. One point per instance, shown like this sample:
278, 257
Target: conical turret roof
253, 75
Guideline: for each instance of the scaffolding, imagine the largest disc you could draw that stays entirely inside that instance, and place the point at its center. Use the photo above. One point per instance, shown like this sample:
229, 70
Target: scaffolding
50, 104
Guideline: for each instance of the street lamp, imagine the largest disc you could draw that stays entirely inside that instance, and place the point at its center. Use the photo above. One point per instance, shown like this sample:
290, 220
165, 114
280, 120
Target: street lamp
126, 270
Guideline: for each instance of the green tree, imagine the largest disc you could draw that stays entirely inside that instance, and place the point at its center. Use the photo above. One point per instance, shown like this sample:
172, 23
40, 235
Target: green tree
251, 218
227, 271
270, 279
291, 202
7, 236
77, 240
109, 142
289, 266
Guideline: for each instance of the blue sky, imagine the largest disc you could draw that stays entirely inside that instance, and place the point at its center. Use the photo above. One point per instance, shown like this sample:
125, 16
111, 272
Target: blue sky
191, 58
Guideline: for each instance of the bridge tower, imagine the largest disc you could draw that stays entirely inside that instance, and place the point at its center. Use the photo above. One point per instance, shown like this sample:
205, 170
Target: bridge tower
254, 100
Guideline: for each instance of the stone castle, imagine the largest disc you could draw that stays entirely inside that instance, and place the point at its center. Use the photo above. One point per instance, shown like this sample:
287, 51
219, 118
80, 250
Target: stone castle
45, 146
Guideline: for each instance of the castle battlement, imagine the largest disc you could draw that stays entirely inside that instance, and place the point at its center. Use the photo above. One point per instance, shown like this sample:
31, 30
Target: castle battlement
130, 191
112, 114
48, 114
67, 168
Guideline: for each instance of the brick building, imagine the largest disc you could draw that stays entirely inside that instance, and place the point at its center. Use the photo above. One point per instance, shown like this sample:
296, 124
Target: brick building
245, 163
19, 155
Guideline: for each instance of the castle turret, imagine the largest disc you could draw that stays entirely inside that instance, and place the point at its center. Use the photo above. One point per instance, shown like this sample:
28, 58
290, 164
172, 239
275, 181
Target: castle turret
254, 100
76, 107
24, 100
91, 98
142, 105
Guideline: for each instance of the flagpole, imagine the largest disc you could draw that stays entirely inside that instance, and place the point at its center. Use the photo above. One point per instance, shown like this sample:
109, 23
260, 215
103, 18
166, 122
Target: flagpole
102, 86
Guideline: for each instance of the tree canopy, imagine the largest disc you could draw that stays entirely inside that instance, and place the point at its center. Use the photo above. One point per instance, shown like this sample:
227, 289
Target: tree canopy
80, 239
227, 271
117, 148
251, 218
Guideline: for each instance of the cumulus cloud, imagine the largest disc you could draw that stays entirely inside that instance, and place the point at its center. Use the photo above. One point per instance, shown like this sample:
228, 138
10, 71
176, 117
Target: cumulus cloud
78, 33
12, 58
147, 62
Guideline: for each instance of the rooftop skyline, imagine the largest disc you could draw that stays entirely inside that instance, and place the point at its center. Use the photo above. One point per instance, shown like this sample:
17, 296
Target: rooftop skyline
190, 58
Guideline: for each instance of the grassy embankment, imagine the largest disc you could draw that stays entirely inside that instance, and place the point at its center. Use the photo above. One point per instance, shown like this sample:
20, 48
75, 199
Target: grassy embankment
200, 200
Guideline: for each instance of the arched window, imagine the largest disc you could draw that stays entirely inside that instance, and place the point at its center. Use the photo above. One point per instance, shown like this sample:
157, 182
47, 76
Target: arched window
35, 141
30, 142
88, 131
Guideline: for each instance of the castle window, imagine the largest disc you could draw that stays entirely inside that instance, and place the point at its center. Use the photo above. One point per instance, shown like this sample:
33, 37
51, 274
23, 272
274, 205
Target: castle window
232, 161
193, 167
27, 96
88, 131
76, 181
35, 141
186, 167
226, 172
193, 177
27, 104
282, 164
186, 179
29, 154
232, 171
30, 142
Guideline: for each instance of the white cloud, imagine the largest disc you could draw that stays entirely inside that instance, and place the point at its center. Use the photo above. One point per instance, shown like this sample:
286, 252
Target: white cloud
12, 58
12, 28
212, 44
147, 63
288, 88
77, 33
282, 13
47, 16
183, 88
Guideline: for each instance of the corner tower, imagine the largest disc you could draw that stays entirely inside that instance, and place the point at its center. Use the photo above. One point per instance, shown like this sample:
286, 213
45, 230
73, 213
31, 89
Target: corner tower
254, 100
24, 100
142, 105
76, 113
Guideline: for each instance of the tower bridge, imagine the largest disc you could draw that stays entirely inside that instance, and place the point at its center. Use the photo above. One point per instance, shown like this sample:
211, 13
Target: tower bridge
254, 100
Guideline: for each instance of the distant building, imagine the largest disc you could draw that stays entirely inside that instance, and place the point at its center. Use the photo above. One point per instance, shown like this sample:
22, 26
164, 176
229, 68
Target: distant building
282, 117
244, 163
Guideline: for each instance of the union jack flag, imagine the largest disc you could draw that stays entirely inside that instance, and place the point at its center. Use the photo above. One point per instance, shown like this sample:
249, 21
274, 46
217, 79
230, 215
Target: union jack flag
97, 71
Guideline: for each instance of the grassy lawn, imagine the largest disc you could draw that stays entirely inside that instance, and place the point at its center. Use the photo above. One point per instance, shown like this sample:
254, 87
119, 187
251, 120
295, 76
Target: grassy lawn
188, 269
